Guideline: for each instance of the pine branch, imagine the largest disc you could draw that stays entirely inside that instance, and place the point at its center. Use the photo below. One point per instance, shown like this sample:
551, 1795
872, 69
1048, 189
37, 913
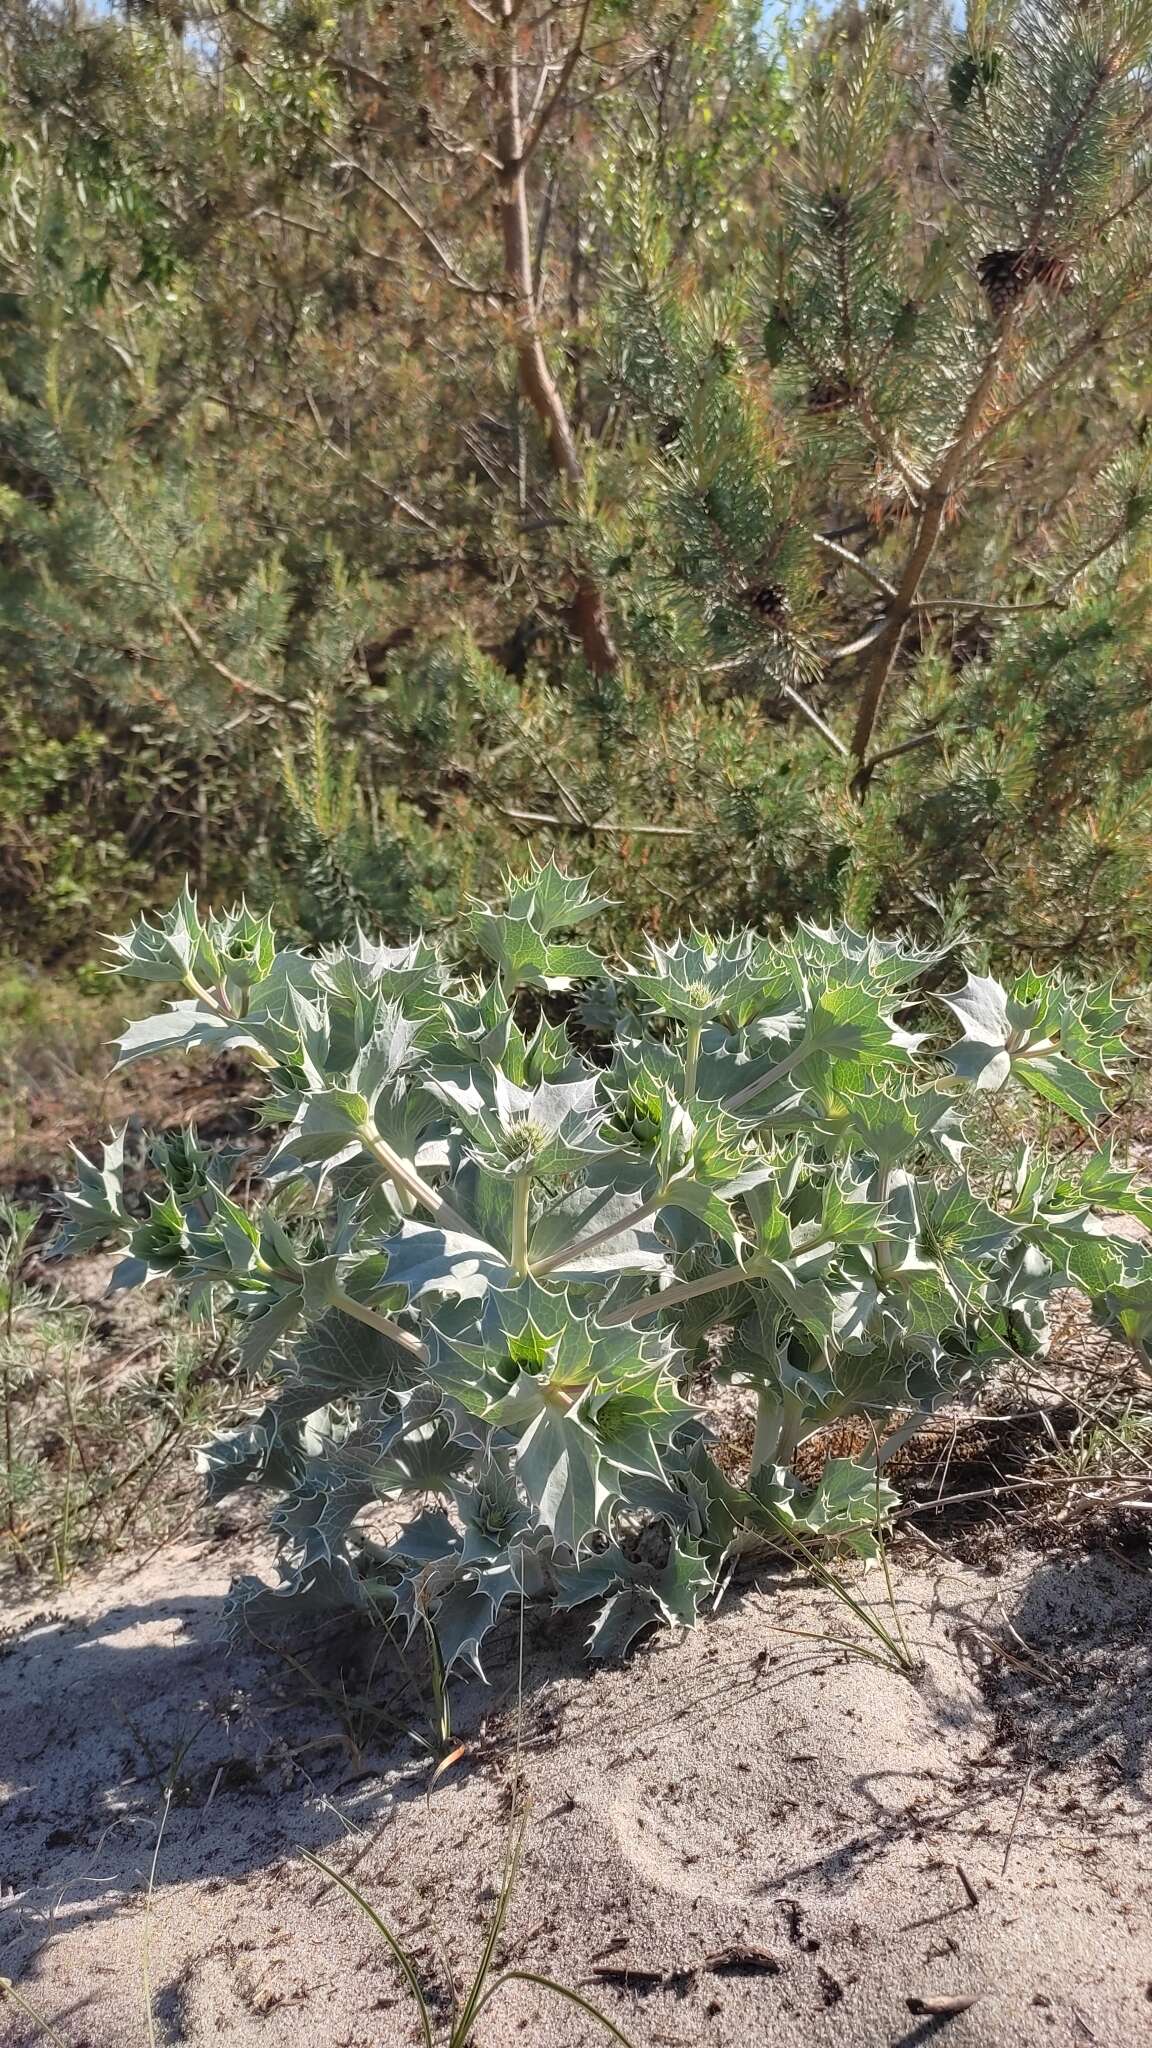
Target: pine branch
879, 667
621, 831
179, 618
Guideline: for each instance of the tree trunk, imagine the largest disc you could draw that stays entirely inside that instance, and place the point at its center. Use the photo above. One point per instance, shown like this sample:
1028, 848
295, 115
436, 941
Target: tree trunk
536, 380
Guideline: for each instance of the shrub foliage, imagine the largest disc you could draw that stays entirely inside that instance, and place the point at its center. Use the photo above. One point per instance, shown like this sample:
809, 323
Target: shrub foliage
610, 426
506, 1214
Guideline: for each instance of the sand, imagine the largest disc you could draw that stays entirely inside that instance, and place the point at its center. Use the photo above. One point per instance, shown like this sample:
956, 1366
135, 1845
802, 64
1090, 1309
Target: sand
740, 1837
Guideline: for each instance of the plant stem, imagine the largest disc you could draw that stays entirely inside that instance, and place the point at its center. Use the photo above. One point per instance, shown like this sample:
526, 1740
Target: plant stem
769, 1428
897, 1650
883, 656
10, 1516
908, 1659
767, 1080
205, 995
577, 1246
691, 1060
8, 1991
9, 1452
404, 1174
792, 1422
889, 1445
590, 614
882, 1248
400, 1954
521, 1194
62, 1544
146, 1946
681, 1290
349, 1306
259, 1057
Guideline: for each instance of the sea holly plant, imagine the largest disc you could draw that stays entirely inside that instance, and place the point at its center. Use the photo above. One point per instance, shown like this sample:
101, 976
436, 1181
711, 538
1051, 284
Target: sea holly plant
491, 1246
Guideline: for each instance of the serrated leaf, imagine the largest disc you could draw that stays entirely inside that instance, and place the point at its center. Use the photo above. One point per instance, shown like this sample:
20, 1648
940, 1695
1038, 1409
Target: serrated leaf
624, 1616
1075, 1092
94, 1209
851, 1502
185, 1027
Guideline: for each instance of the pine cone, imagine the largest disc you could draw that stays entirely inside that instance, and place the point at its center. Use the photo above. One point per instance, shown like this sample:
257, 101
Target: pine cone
769, 600
830, 394
1006, 274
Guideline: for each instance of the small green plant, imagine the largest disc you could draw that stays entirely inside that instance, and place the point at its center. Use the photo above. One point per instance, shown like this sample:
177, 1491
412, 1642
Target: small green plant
481, 1991
485, 1260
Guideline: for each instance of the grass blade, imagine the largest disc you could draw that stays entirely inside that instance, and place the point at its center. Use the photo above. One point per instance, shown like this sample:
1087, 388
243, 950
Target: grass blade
475, 2000
146, 1945
561, 1991
383, 1928
8, 1991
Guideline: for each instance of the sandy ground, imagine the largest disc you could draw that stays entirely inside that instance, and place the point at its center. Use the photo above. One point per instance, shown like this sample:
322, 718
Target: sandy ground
741, 1837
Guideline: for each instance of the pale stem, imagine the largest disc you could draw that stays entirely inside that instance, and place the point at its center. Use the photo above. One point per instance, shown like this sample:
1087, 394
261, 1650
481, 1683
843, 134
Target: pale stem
691, 1059
767, 1080
685, 1290
376, 1321
882, 1248
791, 1427
779, 1421
579, 1245
256, 1053
680, 1290
521, 1193
900, 1436
405, 1176
204, 995
769, 1428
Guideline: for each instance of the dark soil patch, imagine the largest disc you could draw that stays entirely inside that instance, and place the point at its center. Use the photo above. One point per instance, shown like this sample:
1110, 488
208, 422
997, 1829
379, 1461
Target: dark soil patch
219, 1098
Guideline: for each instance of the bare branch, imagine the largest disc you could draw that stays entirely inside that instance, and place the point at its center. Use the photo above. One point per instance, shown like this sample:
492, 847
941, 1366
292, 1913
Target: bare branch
814, 718
855, 646
540, 124
825, 540
402, 504
867, 769
428, 239
985, 604
583, 825
536, 380
879, 668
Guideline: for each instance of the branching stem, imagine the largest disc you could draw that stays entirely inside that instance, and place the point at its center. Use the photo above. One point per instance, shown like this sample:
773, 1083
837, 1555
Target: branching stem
667, 1297
375, 1320
879, 666
767, 1080
404, 1174
578, 1246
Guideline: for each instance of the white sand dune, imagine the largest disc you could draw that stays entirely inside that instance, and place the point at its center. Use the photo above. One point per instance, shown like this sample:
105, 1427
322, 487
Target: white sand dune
742, 1837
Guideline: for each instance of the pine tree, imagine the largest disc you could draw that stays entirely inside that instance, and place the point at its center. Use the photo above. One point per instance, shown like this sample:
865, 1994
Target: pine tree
818, 431
833, 436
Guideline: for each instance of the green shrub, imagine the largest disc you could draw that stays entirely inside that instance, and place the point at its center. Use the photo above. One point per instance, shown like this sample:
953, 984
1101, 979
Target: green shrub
502, 1219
